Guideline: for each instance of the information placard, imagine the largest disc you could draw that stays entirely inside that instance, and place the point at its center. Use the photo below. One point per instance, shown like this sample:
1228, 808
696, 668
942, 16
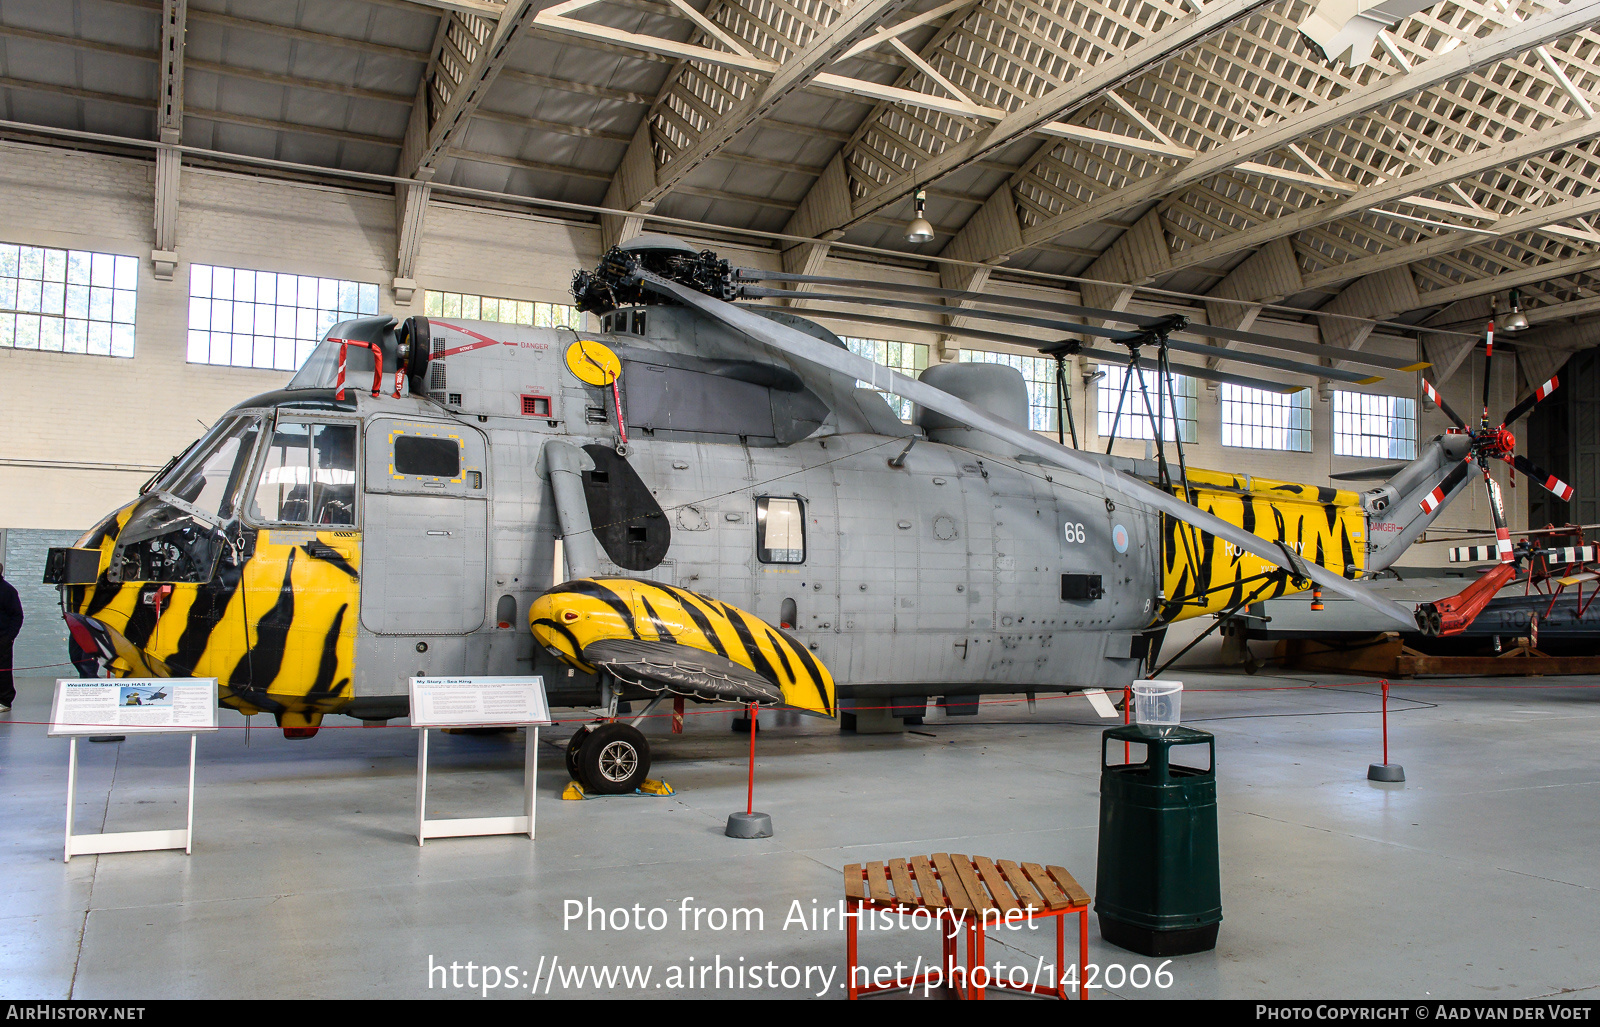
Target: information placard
126, 706
479, 702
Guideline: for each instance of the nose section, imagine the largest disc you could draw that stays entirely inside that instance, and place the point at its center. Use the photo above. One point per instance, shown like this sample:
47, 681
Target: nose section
554, 618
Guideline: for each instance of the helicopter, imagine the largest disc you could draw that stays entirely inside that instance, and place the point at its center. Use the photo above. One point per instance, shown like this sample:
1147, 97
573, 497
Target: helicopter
144, 696
709, 499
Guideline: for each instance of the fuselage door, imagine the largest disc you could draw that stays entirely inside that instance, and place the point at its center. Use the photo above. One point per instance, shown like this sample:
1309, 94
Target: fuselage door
426, 537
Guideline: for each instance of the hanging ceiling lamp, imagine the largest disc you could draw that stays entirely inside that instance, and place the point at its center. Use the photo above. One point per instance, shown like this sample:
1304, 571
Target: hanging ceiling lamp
1516, 321
919, 230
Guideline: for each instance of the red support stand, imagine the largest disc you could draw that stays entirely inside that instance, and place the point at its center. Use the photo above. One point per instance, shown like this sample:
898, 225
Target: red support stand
750, 824
1386, 771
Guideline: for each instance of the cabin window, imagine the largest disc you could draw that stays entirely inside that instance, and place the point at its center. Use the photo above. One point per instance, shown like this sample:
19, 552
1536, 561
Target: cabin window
308, 476
780, 530
427, 457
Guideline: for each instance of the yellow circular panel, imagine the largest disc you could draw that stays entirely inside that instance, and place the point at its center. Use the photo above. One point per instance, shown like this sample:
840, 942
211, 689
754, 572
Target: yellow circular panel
593, 363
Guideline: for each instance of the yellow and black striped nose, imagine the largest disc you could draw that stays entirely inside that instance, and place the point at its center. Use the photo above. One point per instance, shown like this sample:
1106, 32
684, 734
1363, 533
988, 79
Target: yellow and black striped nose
692, 643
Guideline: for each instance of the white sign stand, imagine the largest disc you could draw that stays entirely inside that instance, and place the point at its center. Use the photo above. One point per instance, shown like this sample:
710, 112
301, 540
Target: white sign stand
478, 702
131, 706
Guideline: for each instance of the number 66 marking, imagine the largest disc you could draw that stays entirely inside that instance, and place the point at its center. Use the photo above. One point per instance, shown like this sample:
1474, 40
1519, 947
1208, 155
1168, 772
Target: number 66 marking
1073, 531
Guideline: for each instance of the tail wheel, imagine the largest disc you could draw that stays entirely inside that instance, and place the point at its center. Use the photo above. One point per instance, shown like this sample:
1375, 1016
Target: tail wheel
612, 759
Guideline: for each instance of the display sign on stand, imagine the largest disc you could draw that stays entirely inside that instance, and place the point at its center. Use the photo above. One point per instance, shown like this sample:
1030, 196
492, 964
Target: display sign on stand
130, 706
478, 702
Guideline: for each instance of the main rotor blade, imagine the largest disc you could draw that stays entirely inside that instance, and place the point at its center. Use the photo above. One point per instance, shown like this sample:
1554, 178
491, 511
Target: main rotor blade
1114, 334
1072, 327
799, 346
1120, 359
1381, 472
1438, 401
1541, 477
1502, 533
1488, 366
1531, 401
1311, 349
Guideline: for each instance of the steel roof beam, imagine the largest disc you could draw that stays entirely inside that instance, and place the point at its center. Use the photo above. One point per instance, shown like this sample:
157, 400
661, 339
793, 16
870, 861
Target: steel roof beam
169, 128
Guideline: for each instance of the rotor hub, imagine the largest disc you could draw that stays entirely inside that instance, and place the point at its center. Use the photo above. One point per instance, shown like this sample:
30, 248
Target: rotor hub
1497, 442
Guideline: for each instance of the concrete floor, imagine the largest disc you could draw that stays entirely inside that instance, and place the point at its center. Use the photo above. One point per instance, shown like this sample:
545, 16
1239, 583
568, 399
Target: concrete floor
1475, 879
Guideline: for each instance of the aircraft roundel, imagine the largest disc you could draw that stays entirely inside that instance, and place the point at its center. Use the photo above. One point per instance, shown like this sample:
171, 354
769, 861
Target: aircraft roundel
593, 363
1119, 538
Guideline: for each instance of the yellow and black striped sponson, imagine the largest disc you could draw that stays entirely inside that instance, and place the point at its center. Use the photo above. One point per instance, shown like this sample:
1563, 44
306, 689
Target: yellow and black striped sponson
1201, 575
276, 628
575, 614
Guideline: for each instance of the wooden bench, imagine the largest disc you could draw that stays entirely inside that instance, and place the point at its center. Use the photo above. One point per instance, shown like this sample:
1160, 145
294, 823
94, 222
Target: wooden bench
965, 894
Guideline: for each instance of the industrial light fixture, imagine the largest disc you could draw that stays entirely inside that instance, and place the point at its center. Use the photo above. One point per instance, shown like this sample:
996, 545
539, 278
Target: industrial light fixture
1516, 321
920, 230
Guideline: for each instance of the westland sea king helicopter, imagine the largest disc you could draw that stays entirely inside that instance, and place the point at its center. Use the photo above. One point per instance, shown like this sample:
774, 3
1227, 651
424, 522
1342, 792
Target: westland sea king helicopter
727, 505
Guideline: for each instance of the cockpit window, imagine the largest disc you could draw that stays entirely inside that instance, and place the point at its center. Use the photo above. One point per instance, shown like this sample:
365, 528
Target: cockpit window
308, 476
210, 477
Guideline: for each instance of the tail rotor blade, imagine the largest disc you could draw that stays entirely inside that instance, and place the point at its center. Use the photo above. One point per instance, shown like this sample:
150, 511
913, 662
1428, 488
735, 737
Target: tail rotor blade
1543, 478
1438, 401
1532, 400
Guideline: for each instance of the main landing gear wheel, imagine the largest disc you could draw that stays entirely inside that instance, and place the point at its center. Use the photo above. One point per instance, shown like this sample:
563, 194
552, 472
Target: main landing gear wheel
609, 759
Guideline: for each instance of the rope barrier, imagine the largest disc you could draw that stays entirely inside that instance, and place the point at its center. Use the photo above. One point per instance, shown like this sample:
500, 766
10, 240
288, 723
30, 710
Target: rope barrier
1332, 685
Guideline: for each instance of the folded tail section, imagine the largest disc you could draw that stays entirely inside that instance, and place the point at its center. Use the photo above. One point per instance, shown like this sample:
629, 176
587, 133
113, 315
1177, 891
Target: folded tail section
1400, 510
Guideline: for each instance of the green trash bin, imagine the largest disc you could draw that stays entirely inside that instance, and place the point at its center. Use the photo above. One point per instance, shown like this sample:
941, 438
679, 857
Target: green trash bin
1157, 886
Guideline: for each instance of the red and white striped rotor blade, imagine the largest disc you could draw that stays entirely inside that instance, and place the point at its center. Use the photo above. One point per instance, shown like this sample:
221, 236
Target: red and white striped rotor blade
1438, 401
1543, 478
1435, 499
1529, 402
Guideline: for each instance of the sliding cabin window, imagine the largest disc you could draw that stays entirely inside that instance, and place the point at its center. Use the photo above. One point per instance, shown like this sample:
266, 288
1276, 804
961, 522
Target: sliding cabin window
780, 530
308, 476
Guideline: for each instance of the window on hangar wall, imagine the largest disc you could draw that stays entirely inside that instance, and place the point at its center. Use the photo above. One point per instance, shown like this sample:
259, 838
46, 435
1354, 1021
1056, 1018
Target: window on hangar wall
1256, 419
1369, 425
1181, 407
261, 319
532, 313
909, 358
67, 301
1040, 375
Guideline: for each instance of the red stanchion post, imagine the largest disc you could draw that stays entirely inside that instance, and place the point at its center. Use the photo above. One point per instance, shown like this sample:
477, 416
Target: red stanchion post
750, 824
1386, 771
750, 789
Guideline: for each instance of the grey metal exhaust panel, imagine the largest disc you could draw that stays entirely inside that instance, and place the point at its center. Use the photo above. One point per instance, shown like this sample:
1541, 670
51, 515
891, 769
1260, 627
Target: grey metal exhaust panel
794, 344
565, 464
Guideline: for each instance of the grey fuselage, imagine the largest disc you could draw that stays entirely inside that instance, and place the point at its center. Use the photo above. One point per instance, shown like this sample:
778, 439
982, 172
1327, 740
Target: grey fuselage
943, 575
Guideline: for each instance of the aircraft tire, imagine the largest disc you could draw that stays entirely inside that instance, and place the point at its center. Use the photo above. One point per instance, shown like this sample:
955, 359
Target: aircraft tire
573, 746
613, 759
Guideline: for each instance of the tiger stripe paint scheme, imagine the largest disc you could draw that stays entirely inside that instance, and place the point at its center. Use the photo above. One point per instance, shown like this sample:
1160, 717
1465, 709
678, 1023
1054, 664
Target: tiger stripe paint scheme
284, 643
575, 614
1199, 576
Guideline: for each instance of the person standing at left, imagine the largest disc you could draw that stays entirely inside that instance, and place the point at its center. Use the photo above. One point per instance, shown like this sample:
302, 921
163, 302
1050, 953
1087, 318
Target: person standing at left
10, 627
